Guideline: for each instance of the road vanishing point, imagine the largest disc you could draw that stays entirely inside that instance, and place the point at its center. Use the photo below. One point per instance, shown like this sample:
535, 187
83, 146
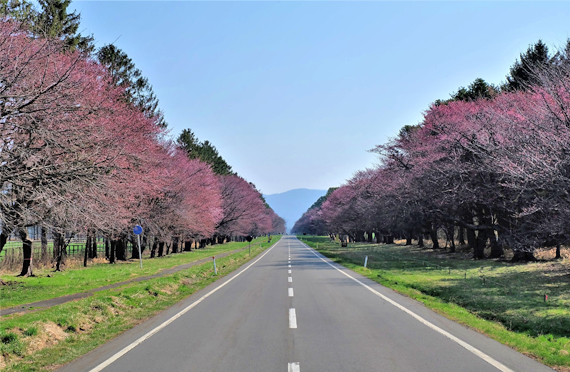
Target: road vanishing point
291, 309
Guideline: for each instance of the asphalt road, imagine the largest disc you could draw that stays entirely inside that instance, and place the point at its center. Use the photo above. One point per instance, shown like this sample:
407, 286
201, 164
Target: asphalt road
302, 313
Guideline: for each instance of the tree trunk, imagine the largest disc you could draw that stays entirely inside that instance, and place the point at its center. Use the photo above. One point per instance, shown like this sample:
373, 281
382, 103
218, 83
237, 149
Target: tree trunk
421, 240
369, 237
44, 244
188, 246
480, 242
471, 239
27, 248
452, 250
61, 249
106, 248
408, 238
461, 237
160, 249
87, 249
496, 247
144, 242
113, 251
135, 252
175, 244
433, 236
153, 248
3, 239
558, 256
120, 247
94, 245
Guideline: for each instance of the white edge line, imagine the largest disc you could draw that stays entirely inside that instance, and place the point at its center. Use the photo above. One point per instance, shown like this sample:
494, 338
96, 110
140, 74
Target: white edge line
464, 344
148, 335
292, 318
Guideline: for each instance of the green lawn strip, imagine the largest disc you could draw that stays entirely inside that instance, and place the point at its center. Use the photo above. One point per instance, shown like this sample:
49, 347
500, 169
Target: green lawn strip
508, 308
70, 281
92, 321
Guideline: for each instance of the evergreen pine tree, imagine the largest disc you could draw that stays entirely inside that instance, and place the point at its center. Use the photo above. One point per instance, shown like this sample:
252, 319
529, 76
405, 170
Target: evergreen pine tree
521, 73
138, 90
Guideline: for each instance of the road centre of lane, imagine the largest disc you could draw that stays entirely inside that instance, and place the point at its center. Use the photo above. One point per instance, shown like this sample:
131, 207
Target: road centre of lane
501, 367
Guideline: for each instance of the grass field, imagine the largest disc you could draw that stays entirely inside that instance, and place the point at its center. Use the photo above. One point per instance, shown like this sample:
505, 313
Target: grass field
24, 290
503, 300
43, 340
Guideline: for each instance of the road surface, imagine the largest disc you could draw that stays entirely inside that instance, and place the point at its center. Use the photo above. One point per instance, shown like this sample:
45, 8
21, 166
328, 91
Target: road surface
293, 310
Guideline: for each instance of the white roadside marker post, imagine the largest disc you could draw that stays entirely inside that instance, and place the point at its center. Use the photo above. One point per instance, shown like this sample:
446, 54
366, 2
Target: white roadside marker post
215, 269
365, 261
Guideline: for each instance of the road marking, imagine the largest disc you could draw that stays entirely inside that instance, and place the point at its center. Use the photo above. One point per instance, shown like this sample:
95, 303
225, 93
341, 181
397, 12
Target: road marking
289, 265
292, 318
290, 280
501, 367
290, 292
289, 271
293, 367
148, 335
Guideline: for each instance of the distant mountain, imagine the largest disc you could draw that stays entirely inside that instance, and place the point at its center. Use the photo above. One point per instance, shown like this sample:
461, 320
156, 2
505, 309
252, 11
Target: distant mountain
293, 203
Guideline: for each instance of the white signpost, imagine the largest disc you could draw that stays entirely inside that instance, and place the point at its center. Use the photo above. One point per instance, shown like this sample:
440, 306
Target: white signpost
138, 231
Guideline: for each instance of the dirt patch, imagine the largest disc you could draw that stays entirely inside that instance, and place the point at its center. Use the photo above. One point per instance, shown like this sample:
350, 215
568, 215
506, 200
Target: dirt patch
550, 253
49, 334
117, 305
169, 289
188, 281
54, 331
86, 325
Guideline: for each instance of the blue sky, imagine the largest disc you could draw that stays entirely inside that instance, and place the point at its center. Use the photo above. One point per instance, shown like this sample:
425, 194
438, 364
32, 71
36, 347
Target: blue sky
293, 94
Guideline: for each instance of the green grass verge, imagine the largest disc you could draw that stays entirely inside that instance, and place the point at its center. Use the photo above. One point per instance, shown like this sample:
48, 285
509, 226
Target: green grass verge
502, 300
26, 290
43, 340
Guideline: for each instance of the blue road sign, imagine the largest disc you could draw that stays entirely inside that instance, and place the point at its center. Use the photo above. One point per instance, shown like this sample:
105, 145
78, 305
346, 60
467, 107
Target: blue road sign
138, 230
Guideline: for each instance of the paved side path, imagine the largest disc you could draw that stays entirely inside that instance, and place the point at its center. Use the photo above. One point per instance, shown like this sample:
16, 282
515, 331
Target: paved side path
40, 305
291, 309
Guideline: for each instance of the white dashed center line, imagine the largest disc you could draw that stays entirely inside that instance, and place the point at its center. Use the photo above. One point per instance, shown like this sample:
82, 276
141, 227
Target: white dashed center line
292, 318
293, 367
290, 280
290, 292
289, 271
